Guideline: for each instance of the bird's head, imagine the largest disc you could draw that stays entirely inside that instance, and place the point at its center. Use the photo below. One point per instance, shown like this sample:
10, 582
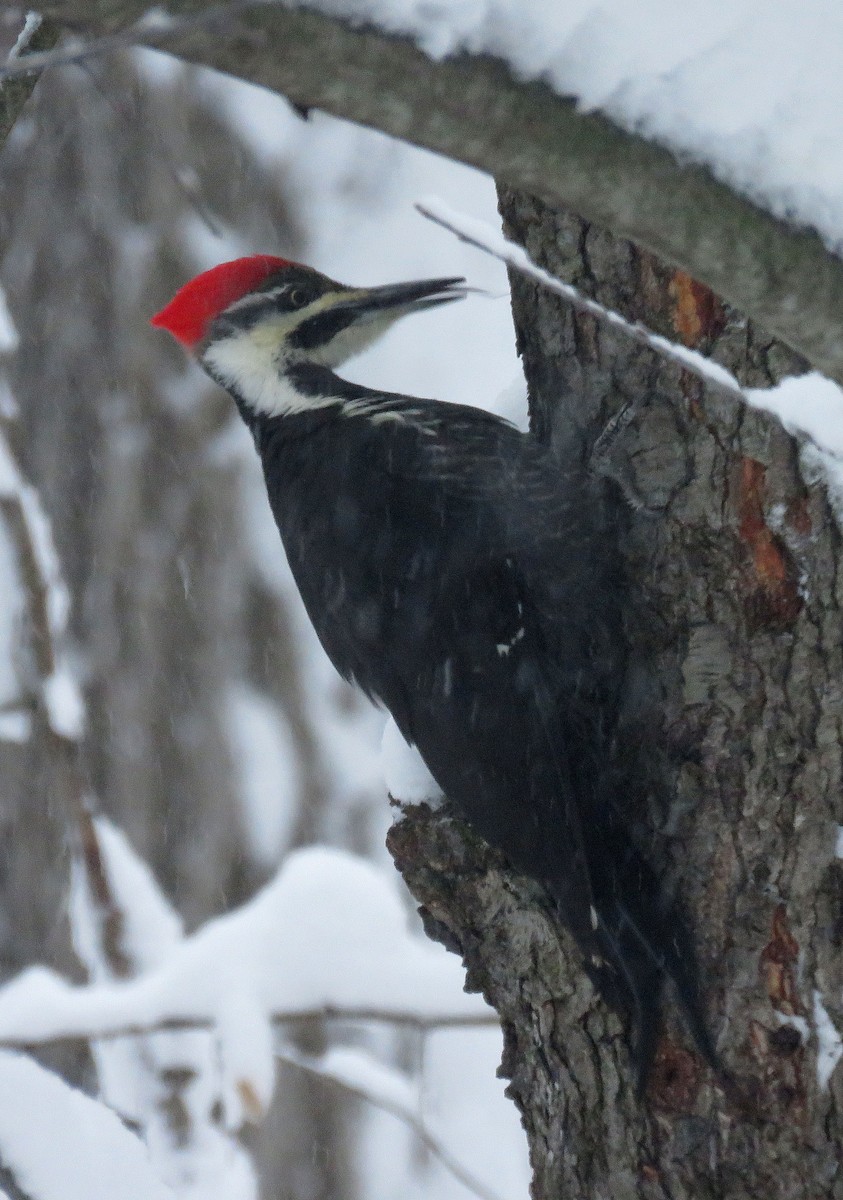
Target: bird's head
256, 324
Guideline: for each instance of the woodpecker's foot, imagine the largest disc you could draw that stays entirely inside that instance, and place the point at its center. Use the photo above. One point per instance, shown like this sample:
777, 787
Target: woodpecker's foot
607, 462
643, 449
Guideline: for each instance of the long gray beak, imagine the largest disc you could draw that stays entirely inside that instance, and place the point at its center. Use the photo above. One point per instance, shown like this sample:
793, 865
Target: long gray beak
413, 297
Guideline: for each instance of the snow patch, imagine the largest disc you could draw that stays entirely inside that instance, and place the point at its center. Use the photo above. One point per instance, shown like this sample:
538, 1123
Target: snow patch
65, 706
405, 773
808, 405
358, 1070
61, 695
12, 615
830, 1046
150, 926
247, 1058
31, 24
61, 1145
330, 930
9, 337
15, 725
811, 406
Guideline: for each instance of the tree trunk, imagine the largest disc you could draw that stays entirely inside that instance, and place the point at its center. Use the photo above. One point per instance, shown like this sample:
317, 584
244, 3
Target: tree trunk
731, 734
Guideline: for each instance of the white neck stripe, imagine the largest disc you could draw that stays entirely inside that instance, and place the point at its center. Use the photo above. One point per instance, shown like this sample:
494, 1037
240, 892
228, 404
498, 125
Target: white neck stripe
251, 371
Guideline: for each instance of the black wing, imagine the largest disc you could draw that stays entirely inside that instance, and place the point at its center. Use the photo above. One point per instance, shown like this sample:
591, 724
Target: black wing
453, 570
513, 693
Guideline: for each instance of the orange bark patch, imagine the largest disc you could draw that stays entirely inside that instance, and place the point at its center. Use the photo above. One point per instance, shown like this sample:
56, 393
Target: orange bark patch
778, 963
758, 1040
697, 312
781, 1051
774, 592
253, 1107
650, 1174
675, 1077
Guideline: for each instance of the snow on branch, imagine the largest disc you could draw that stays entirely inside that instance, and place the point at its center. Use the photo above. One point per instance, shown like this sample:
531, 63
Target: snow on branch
479, 109
173, 1086
171, 1077
327, 937
122, 923
481, 235
182, 1029
36, 36
810, 407
46, 598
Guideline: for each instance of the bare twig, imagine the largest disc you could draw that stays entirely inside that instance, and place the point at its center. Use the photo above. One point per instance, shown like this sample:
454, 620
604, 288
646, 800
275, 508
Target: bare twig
412, 1120
34, 585
36, 39
483, 237
152, 32
105, 909
30, 534
103, 1031
421, 1022
715, 378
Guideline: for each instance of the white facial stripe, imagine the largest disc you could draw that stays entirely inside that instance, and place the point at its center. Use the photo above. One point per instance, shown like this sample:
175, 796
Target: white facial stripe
252, 300
247, 364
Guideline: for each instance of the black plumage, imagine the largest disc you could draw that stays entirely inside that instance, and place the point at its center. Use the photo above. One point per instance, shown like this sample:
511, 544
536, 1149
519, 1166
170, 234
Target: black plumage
456, 574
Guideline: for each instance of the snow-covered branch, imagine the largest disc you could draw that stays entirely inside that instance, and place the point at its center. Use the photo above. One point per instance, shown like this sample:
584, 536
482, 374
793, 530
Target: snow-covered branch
35, 37
58, 1144
810, 407
46, 601
104, 1030
471, 107
327, 938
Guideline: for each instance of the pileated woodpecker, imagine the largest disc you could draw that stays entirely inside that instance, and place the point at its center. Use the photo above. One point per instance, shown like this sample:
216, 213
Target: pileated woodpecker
461, 577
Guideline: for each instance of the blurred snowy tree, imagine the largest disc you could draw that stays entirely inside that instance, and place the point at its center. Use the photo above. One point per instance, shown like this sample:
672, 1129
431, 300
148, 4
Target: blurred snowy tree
108, 203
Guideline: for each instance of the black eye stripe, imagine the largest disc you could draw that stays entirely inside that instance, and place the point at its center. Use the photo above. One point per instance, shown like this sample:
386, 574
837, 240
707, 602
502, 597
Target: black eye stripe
253, 308
320, 328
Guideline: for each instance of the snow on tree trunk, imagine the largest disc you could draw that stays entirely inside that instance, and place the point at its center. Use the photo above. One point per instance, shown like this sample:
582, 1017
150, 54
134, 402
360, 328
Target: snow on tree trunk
731, 741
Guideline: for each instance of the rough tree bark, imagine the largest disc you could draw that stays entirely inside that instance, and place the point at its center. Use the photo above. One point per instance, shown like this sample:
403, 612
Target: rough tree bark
733, 727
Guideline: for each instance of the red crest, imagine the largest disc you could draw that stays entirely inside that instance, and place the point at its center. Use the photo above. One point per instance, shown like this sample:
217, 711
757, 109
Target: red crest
195, 305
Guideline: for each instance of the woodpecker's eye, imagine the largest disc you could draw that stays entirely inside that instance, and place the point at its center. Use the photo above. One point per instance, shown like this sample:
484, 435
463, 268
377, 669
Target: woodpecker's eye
297, 297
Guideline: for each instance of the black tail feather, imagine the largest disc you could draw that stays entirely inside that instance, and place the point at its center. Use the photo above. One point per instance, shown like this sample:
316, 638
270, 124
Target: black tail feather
643, 940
